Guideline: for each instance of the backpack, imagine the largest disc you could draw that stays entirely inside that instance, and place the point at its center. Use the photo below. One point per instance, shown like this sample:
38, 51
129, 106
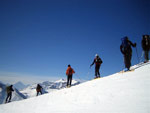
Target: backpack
70, 71
8, 89
98, 61
125, 44
147, 41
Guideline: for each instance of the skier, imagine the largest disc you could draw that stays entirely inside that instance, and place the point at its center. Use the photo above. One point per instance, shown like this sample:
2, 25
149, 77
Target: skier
39, 89
126, 50
146, 47
69, 73
98, 63
9, 90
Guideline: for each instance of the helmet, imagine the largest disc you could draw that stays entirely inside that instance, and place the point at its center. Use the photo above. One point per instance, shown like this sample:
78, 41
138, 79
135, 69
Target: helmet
96, 55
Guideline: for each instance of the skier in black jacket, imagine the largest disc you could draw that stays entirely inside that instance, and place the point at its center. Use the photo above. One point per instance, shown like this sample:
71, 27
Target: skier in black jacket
146, 47
126, 50
38, 89
98, 63
9, 90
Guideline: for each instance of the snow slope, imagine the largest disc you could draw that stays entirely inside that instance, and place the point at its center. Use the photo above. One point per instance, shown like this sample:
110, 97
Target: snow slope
119, 93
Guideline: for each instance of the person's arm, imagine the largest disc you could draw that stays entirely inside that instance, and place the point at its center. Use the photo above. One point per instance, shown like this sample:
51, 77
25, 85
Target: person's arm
121, 49
67, 71
40, 86
12, 89
133, 45
92, 63
73, 71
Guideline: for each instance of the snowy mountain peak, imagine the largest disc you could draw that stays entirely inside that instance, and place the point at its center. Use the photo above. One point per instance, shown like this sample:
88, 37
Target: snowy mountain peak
19, 85
61, 80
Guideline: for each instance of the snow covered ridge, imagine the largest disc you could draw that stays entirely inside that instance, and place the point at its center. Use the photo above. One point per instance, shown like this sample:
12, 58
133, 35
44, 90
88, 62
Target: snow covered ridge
119, 93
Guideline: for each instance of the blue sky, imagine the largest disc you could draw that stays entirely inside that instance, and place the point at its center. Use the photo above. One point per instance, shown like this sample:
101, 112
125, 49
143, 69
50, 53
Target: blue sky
41, 37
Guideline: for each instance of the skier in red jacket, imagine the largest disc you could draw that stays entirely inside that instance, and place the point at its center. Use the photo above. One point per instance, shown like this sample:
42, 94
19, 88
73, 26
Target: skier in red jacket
69, 73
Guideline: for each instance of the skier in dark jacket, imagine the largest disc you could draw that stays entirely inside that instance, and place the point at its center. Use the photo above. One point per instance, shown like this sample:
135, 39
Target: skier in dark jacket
126, 50
69, 73
146, 47
39, 89
97, 61
9, 90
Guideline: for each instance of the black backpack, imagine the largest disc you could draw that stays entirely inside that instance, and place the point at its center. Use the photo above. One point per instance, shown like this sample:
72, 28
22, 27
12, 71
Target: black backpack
125, 44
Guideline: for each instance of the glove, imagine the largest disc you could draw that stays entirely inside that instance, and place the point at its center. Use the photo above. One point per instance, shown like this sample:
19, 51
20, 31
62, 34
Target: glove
135, 44
90, 66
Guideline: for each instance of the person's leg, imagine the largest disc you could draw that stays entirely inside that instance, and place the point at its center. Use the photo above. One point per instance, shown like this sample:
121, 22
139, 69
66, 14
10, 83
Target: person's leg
70, 80
7, 97
41, 92
10, 95
67, 80
146, 56
98, 67
37, 93
127, 61
130, 57
96, 72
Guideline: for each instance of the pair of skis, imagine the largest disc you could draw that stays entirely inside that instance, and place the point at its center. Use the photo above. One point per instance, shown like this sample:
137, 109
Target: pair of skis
125, 71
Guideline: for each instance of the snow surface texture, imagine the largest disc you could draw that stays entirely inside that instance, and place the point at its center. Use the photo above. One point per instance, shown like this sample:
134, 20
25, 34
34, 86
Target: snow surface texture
119, 93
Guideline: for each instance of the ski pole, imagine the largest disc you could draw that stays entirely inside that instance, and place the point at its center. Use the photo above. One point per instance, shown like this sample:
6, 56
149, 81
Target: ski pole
78, 77
137, 55
142, 56
88, 74
123, 66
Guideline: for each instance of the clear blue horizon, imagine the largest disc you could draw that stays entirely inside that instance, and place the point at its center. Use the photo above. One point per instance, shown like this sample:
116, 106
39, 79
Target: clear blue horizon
41, 37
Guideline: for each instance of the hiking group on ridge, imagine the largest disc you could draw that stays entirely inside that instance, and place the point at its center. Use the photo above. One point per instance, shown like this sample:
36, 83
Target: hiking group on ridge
126, 50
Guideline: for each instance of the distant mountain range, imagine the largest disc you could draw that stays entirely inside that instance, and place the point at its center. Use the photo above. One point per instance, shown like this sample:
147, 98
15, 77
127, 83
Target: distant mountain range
22, 91
47, 86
